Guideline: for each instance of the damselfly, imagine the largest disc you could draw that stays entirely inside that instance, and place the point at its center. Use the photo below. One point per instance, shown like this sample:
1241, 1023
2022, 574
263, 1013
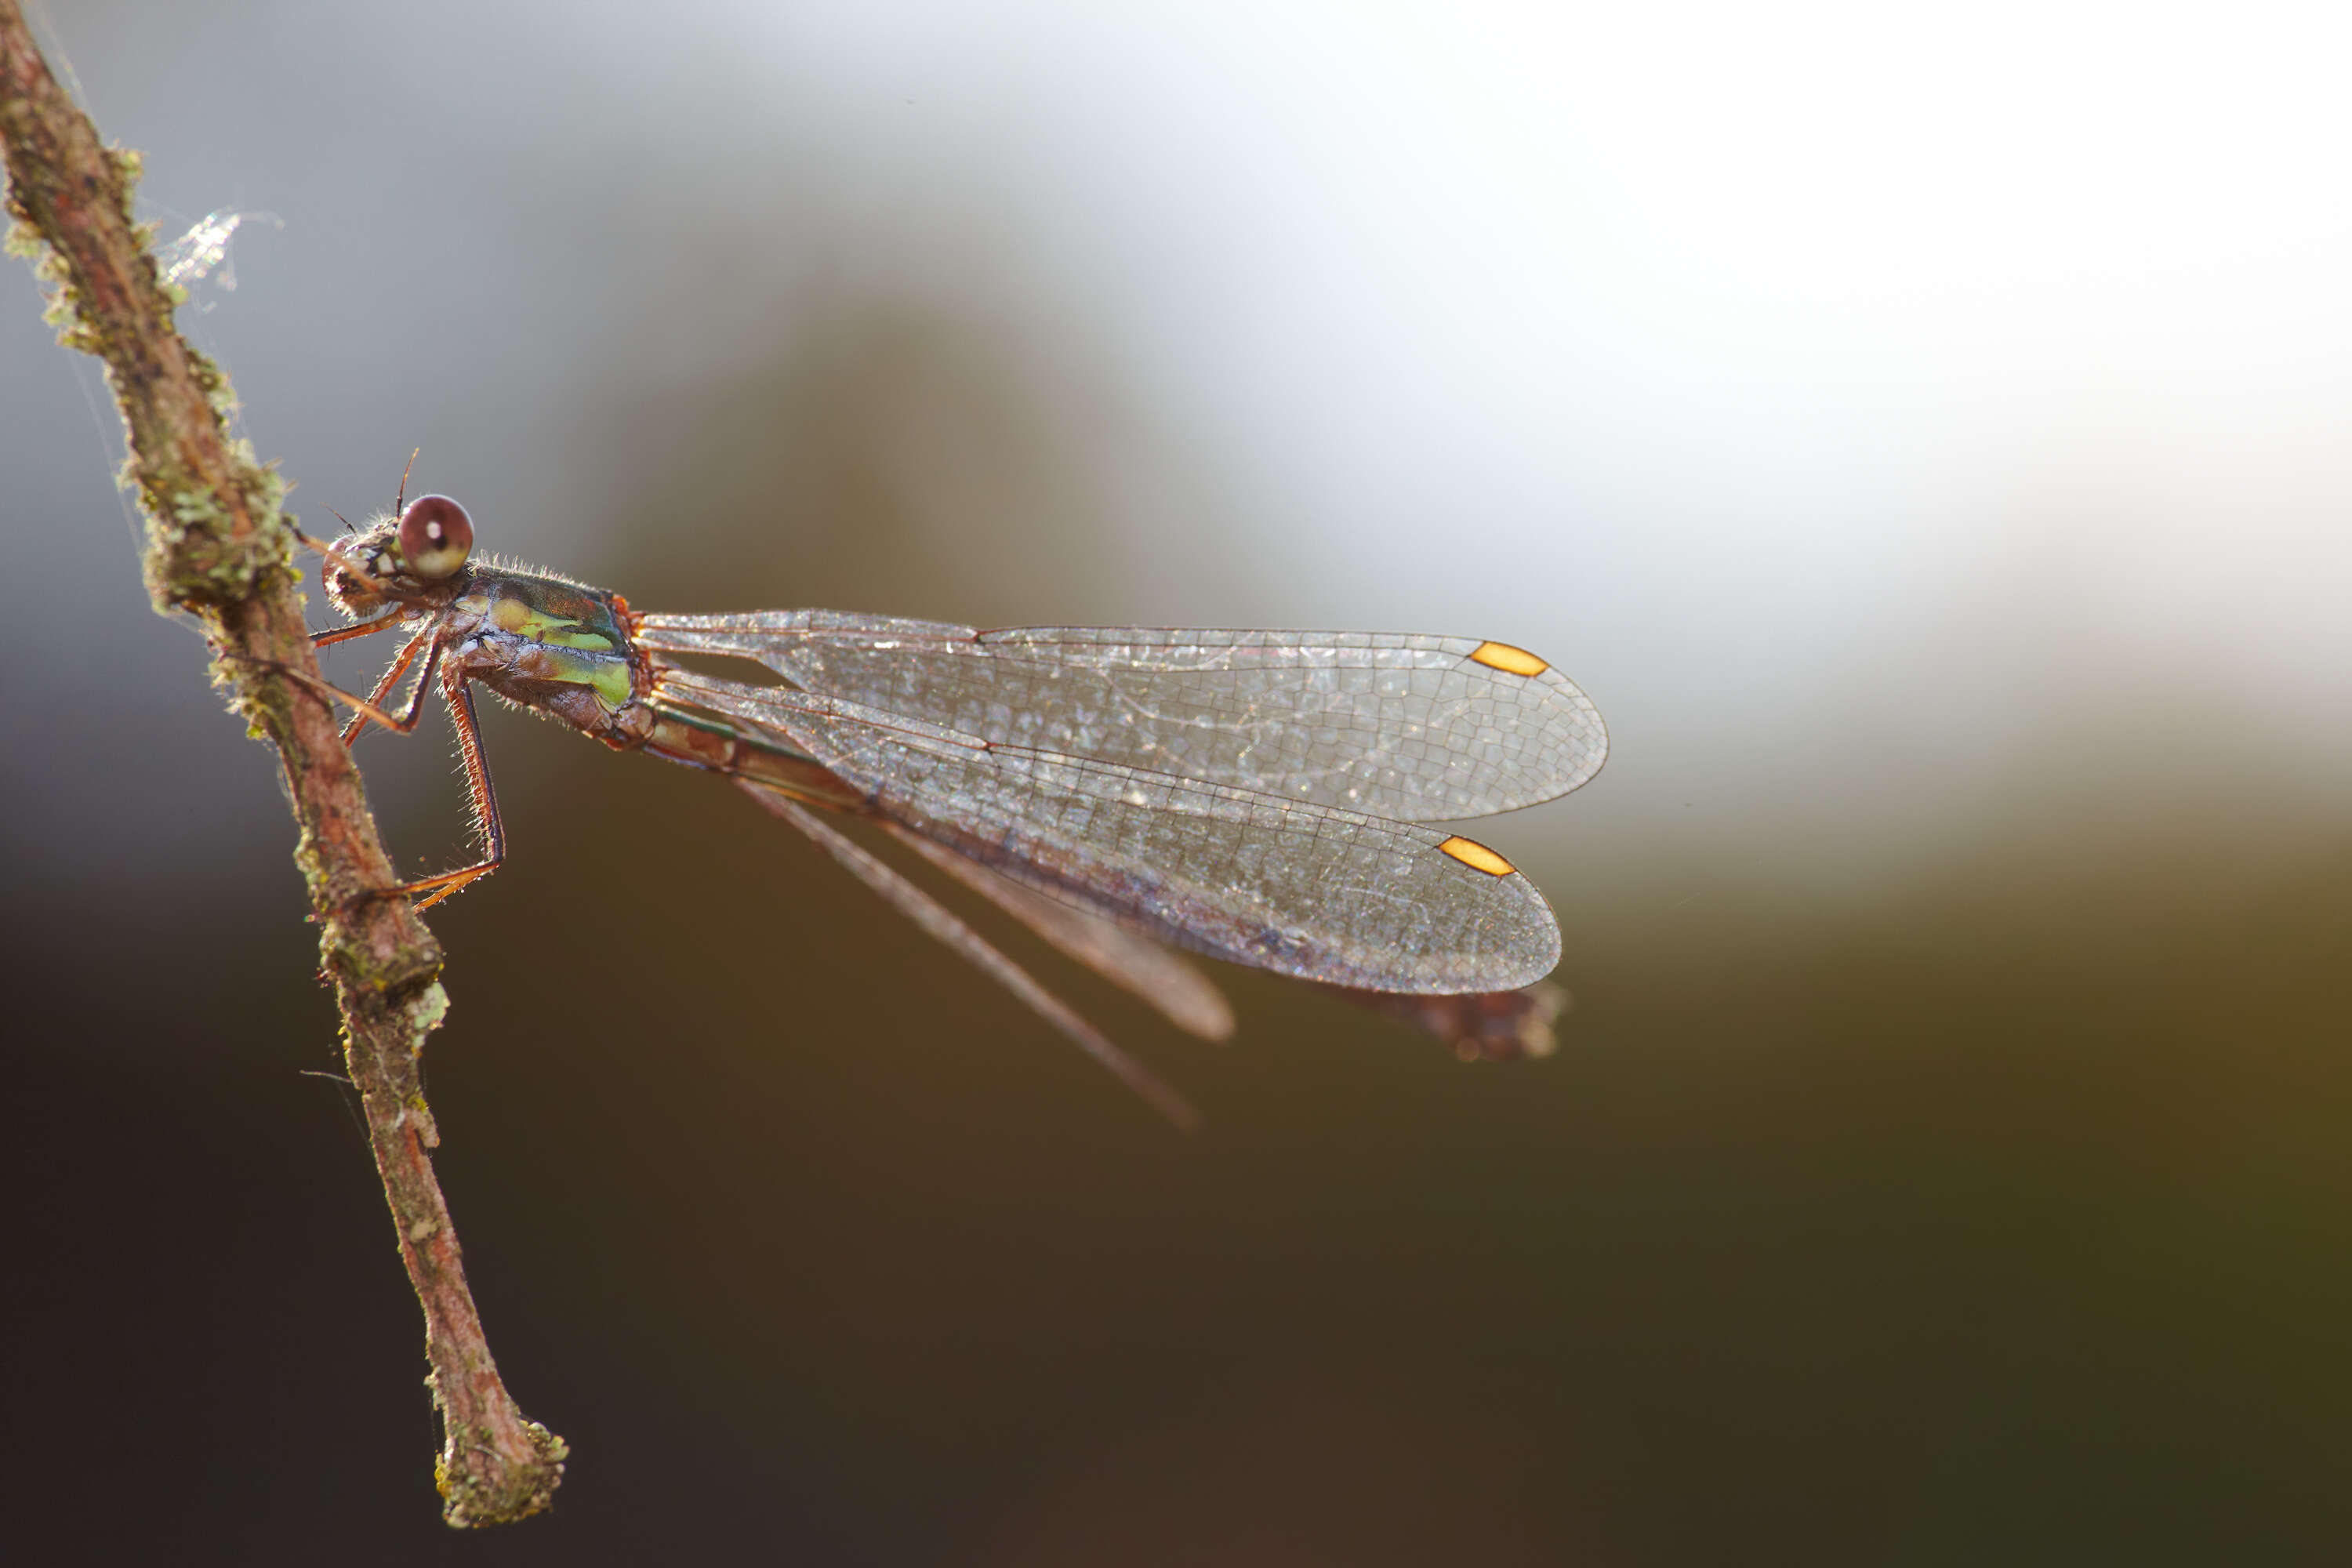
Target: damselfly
1257, 796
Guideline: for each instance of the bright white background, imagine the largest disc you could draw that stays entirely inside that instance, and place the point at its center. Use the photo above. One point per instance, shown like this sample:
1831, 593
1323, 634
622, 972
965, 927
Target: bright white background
1850, 399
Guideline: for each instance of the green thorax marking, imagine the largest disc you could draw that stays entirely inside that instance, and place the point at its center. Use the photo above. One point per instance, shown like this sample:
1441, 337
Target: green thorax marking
578, 635
548, 610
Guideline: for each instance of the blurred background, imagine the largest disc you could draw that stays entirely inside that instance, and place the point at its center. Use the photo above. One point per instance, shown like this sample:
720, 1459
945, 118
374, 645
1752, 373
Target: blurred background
1922, 433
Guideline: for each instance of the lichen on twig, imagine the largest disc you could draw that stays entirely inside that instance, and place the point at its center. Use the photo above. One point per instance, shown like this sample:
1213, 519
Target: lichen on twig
219, 547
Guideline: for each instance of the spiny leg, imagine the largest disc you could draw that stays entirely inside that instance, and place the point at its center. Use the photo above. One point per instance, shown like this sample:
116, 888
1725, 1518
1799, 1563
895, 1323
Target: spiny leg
326, 691
365, 629
936, 918
400, 663
459, 696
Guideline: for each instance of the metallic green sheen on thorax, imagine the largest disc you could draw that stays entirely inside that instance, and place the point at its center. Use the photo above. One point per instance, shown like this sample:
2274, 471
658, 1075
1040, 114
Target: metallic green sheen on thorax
565, 650
532, 635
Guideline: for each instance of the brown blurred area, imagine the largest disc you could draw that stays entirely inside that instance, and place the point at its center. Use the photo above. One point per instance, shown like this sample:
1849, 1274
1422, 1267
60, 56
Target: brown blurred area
1945, 1161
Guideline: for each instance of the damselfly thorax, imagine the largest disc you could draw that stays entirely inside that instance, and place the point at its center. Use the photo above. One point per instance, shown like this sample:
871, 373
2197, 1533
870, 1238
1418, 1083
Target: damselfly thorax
1258, 797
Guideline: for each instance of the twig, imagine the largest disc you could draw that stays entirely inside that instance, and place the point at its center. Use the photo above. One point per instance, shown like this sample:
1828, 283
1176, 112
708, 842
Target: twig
218, 548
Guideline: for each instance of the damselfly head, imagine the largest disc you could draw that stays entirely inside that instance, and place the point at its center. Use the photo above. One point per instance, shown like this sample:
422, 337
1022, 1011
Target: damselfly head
410, 559
435, 537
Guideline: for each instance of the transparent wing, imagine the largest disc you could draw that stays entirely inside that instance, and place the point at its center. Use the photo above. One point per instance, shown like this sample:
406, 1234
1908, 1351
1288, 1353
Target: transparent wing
1303, 890
1416, 728
1143, 968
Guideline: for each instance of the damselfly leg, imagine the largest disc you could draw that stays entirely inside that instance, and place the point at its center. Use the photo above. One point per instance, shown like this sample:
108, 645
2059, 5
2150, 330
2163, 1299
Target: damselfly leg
939, 923
347, 634
414, 710
459, 696
326, 691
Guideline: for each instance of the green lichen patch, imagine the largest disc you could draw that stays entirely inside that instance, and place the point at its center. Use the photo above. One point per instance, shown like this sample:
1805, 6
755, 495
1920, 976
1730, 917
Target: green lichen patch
477, 1490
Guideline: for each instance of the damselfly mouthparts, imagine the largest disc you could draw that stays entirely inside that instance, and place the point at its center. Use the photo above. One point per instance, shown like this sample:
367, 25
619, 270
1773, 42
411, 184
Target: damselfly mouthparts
1257, 796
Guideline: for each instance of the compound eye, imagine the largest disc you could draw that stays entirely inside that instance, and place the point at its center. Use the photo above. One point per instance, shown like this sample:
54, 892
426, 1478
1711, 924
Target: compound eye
435, 537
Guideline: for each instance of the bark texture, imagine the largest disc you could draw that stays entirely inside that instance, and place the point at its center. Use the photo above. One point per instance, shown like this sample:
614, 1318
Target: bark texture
219, 548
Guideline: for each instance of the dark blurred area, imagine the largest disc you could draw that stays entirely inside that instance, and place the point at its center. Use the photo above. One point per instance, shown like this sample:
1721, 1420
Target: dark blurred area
1946, 1157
